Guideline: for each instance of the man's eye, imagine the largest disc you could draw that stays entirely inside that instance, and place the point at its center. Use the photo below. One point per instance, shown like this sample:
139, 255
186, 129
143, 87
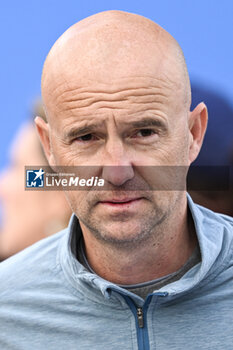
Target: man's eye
87, 137
145, 133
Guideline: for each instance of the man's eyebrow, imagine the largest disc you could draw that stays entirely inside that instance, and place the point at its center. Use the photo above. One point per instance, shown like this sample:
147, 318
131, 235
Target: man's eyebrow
76, 131
88, 129
146, 122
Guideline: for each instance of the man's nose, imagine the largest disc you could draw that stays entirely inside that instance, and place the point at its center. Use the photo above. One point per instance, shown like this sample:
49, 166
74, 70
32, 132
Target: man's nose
117, 163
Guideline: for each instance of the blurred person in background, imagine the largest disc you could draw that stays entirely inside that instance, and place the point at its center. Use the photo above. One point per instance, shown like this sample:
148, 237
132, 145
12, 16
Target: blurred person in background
27, 216
217, 149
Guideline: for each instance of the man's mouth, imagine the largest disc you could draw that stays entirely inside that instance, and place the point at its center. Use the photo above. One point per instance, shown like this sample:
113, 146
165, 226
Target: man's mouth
116, 202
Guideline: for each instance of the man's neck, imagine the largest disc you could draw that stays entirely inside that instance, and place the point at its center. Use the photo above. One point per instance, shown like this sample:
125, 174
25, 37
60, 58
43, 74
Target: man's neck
159, 256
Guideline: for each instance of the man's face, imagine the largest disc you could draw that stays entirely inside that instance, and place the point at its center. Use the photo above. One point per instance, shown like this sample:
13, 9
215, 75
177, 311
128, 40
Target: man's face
115, 88
118, 129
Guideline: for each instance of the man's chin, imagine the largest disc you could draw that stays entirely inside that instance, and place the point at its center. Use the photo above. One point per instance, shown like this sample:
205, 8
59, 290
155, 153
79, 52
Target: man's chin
123, 233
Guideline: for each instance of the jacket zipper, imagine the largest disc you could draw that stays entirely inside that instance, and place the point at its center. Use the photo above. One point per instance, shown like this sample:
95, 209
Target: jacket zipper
140, 317
141, 322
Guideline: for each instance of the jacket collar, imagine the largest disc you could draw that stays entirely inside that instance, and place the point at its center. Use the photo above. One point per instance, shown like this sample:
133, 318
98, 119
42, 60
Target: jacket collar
214, 241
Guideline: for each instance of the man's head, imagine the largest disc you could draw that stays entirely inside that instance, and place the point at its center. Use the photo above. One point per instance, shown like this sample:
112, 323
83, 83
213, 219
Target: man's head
117, 96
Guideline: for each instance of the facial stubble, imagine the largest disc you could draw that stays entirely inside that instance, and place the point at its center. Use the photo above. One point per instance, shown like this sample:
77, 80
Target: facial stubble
125, 231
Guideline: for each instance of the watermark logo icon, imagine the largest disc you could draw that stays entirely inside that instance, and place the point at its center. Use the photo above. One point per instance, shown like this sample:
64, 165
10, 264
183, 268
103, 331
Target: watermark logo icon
35, 178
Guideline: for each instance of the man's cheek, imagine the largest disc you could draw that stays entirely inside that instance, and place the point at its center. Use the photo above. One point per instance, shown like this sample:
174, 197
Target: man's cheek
77, 200
63, 156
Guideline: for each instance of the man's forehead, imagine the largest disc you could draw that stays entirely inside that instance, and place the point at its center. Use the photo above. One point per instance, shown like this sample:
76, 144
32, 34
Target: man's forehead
123, 87
126, 96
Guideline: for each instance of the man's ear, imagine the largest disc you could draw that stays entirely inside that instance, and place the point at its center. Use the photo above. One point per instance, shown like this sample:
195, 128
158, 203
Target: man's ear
43, 130
197, 126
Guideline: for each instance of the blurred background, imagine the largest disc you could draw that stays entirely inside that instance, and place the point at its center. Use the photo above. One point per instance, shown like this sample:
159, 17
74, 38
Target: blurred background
28, 29
204, 29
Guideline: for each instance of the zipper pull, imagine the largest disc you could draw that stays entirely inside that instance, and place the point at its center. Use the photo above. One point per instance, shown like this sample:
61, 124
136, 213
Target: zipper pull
140, 317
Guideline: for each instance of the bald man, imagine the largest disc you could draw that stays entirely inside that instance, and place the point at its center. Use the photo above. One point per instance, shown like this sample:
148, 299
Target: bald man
137, 268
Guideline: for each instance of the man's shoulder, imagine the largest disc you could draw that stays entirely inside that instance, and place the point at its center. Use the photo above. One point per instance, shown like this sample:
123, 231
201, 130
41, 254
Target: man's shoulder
27, 266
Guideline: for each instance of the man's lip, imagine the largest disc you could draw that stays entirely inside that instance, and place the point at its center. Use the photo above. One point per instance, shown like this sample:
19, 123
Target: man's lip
120, 201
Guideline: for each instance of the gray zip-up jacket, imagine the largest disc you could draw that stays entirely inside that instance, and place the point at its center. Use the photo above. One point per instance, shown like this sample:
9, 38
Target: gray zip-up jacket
48, 300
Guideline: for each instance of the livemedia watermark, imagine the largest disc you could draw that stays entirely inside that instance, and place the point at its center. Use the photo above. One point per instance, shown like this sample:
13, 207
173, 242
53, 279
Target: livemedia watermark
127, 178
